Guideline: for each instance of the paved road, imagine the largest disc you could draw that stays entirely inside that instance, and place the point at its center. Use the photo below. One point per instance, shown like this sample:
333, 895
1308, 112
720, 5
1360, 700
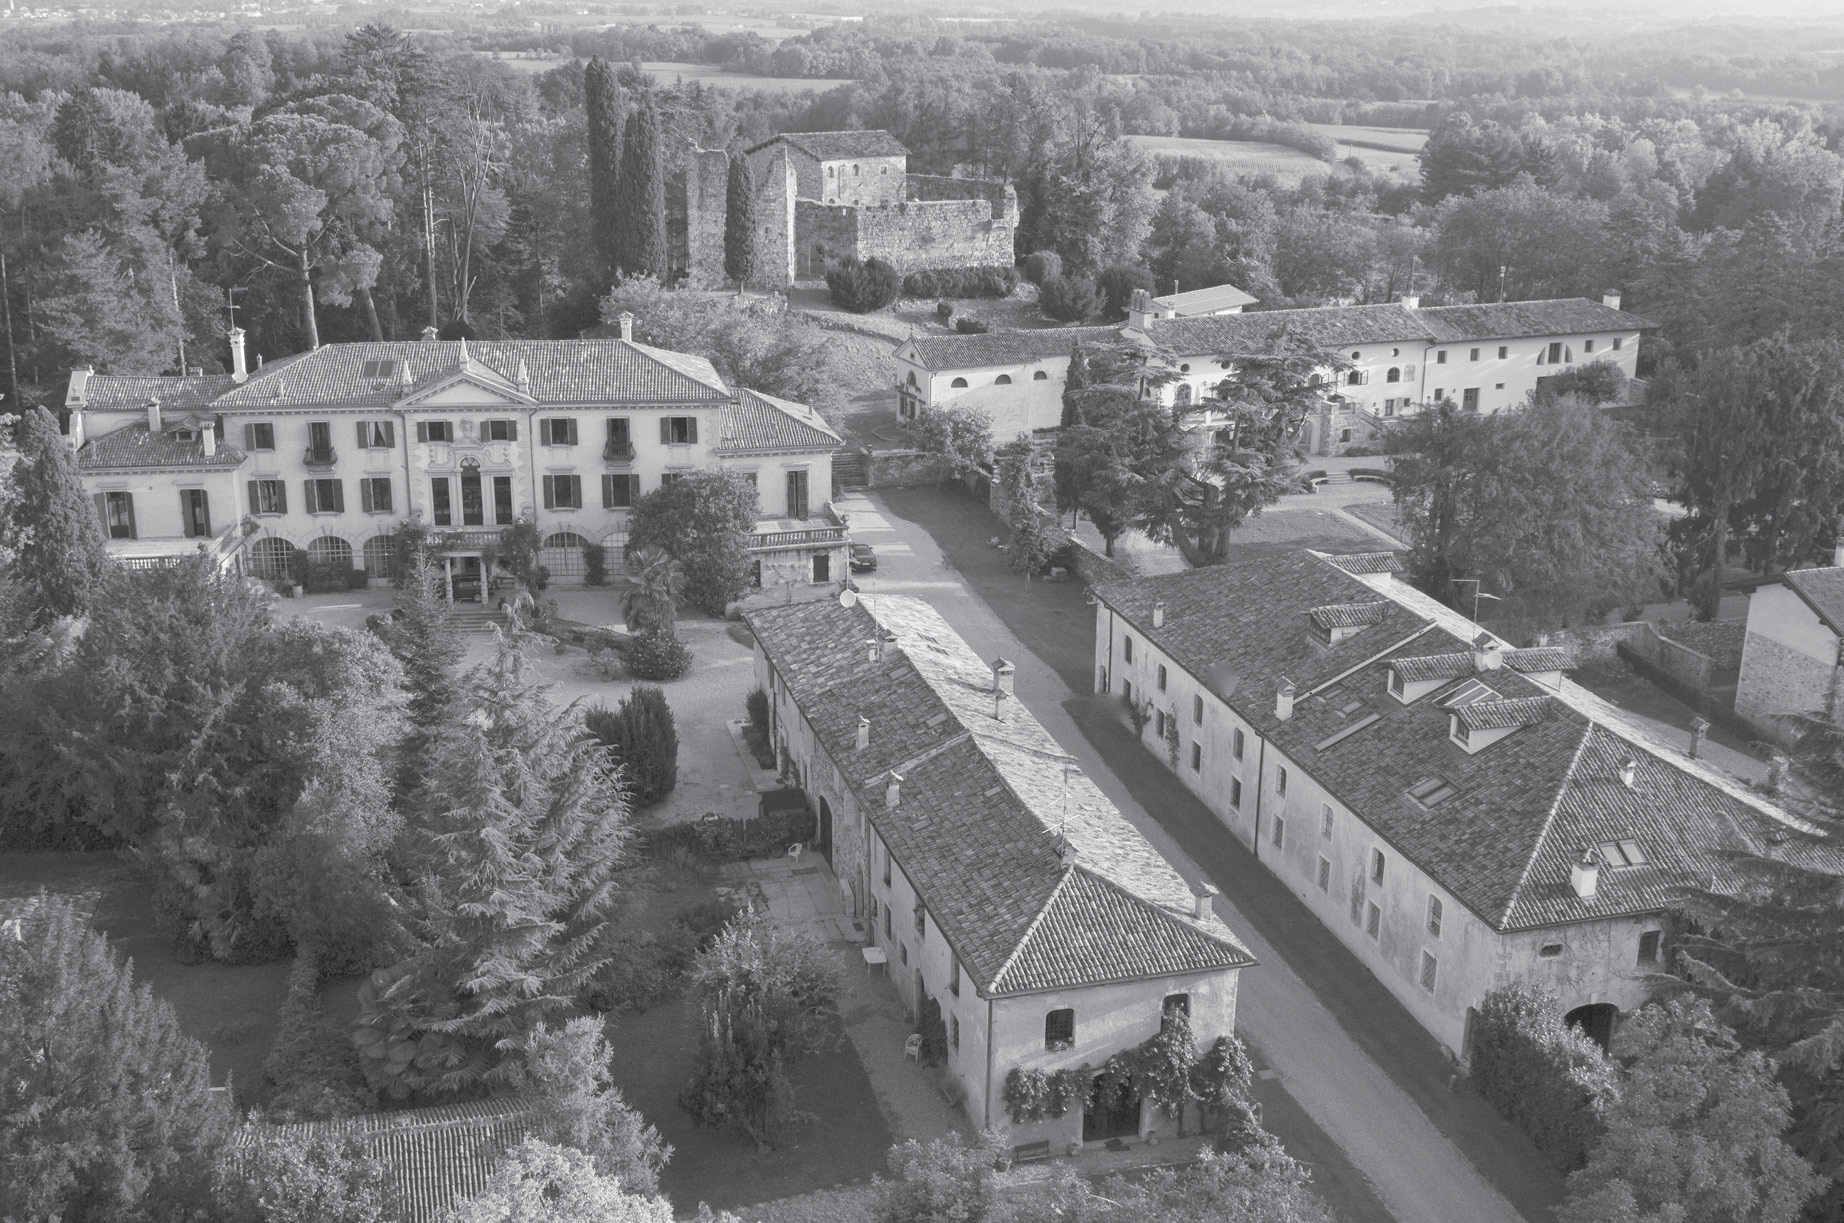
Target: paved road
1351, 1083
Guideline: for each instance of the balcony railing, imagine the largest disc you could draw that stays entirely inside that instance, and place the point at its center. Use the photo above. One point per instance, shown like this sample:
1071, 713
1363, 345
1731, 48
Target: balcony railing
775, 541
320, 457
618, 452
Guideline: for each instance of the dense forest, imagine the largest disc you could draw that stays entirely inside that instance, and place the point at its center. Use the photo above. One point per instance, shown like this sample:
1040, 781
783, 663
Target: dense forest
340, 183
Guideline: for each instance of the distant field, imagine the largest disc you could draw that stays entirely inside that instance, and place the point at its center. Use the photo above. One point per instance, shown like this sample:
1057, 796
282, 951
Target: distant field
707, 73
1243, 156
1382, 148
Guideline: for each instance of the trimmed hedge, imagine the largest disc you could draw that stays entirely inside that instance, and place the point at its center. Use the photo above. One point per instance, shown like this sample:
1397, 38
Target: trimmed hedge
1543, 1076
642, 736
982, 280
1043, 267
1073, 299
657, 656
967, 325
862, 286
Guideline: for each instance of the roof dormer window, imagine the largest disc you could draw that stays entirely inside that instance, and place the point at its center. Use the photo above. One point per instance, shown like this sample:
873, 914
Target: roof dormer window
1619, 855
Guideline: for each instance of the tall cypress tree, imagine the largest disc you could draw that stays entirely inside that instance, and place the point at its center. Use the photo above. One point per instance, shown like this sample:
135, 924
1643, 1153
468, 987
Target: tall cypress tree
1076, 379
740, 223
53, 529
641, 195
106, 1107
602, 102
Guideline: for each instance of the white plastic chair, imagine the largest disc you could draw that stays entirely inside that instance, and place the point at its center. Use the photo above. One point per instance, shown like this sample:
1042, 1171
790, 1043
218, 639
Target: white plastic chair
794, 852
912, 1048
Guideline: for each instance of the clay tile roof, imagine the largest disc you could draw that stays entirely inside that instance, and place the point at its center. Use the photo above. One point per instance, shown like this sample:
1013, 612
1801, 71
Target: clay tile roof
1349, 615
1539, 658
134, 446
1823, 591
988, 808
558, 372
1505, 714
763, 422
1432, 666
434, 1158
130, 392
839, 146
1093, 930
1367, 562
1512, 320
947, 352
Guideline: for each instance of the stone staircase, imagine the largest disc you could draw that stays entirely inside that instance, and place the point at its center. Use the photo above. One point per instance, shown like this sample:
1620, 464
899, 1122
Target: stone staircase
851, 468
474, 618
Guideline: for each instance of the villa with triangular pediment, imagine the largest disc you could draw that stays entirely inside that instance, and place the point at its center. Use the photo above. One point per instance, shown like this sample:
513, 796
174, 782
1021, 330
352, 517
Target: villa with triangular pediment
310, 462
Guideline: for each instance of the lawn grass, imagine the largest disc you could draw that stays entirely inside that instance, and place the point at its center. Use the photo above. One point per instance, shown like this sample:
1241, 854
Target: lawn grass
668, 72
1241, 156
1379, 514
233, 1009
1290, 530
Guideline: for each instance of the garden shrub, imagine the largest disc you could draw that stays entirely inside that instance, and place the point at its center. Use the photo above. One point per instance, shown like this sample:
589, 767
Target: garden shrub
1546, 1078
595, 564
1073, 299
1117, 283
643, 737
943, 310
947, 1179
983, 280
358, 579
1043, 267
311, 1065
325, 576
862, 286
706, 919
657, 656
755, 708
1596, 381
731, 840
645, 969
967, 325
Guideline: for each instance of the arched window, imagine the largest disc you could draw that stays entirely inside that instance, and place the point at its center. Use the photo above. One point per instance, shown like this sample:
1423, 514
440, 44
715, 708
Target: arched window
1354, 378
1002, 380
330, 549
1394, 375
1040, 376
912, 378
1182, 396
562, 554
829, 172
272, 558
959, 384
855, 171
379, 552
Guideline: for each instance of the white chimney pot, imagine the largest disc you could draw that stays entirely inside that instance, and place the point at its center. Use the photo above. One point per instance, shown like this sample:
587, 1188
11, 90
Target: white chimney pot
627, 325
1283, 700
1837, 553
1629, 771
1611, 300
893, 790
208, 437
153, 415
1201, 901
1159, 614
864, 732
240, 369
1004, 675
1585, 875
1411, 301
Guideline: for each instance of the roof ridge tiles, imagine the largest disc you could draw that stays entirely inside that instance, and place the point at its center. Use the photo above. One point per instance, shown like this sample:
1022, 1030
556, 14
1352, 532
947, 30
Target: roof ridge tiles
1516, 891
1030, 930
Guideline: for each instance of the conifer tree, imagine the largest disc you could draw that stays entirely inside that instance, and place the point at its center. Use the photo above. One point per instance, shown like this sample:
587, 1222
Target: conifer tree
53, 530
641, 196
513, 841
106, 1107
602, 102
641, 736
740, 223
421, 634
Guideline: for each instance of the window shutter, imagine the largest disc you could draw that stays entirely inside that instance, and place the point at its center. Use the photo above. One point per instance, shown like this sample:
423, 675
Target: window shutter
422, 430
691, 429
390, 432
365, 496
550, 492
339, 496
311, 504
665, 430
608, 492
249, 436
129, 499
255, 499
102, 512
512, 430
364, 436
281, 496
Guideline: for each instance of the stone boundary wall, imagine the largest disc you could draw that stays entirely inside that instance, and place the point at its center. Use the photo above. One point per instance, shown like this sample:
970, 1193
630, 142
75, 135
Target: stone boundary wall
912, 236
1002, 196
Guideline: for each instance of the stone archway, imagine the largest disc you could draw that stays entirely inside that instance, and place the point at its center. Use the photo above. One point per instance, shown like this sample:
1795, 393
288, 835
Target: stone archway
1596, 1021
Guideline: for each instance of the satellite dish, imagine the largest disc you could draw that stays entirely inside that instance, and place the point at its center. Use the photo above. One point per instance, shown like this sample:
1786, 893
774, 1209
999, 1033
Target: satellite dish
848, 598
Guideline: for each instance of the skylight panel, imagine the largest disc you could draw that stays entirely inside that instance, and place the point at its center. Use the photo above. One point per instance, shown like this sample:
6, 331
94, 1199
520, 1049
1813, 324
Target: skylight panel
1469, 692
1621, 854
384, 367
1432, 790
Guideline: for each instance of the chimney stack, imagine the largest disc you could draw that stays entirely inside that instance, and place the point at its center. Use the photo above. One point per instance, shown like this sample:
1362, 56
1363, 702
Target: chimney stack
1003, 675
1776, 772
1488, 654
208, 437
1159, 614
1699, 727
1611, 299
627, 326
1411, 301
1629, 771
1283, 700
893, 789
864, 732
429, 334
1837, 549
153, 414
1201, 901
240, 370
873, 649
1585, 875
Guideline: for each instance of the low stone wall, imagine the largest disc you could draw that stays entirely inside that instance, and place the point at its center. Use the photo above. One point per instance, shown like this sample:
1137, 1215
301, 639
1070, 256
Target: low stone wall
911, 236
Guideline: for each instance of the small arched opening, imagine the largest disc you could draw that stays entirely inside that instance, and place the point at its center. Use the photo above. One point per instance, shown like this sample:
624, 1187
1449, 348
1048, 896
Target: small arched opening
1394, 375
959, 384
1596, 1022
1002, 380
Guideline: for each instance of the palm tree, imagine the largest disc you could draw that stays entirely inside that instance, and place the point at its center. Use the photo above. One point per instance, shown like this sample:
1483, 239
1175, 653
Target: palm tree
654, 593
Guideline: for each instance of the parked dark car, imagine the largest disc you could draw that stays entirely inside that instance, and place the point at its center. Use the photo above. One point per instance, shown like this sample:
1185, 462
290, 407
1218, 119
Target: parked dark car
864, 560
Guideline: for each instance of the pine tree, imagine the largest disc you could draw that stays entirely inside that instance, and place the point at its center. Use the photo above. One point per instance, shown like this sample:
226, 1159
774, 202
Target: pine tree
53, 529
513, 840
106, 1107
641, 196
740, 223
421, 634
602, 102
641, 736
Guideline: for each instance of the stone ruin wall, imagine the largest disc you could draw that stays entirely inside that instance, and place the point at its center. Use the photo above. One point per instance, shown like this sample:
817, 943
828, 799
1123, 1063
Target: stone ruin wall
912, 235
705, 193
